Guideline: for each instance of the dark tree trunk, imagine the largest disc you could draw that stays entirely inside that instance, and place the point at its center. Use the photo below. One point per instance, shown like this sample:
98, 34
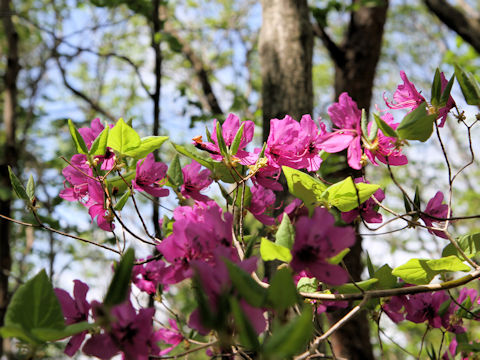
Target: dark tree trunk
355, 62
9, 149
286, 47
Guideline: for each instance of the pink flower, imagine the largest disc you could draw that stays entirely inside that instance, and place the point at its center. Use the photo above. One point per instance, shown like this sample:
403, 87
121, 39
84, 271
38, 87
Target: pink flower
425, 307
130, 333
194, 181
96, 206
394, 308
149, 173
74, 310
263, 199
197, 232
346, 117
76, 176
147, 276
294, 144
229, 130
406, 95
368, 209
443, 112
384, 146
89, 134
436, 209
315, 243
171, 336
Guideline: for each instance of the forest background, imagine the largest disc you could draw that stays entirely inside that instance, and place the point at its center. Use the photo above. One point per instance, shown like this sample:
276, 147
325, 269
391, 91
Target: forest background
171, 66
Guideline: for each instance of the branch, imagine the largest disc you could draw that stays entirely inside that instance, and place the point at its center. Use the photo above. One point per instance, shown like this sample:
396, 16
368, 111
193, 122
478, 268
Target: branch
200, 70
336, 53
468, 27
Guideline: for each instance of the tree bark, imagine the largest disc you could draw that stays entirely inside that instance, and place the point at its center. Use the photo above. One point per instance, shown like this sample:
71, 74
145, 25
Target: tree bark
9, 149
465, 25
355, 62
286, 48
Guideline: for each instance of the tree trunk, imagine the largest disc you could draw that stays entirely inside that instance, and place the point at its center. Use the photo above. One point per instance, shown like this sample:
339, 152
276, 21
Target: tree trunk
9, 150
286, 48
355, 61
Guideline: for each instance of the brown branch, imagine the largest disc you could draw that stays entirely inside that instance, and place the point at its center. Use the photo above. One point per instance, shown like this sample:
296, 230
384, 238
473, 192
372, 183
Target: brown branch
336, 53
468, 27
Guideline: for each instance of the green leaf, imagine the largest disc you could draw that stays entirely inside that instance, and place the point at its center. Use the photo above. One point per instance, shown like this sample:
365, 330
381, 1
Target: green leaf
370, 268
237, 140
304, 187
436, 89
364, 123
247, 198
385, 278
351, 288
33, 306
415, 271
19, 333
174, 173
449, 263
373, 132
120, 284
221, 141
469, 86
291, 338
307, 285
406, 203
344, 197
123, 138
224, 173
285, 235
202, 161
335, 260
446, 92
48, 334
271, 251
470, 244
147, 145
417, 199
77, 138
121, 185
246, 332
99, 145
386, 129
17, 185
248, 288
31, 188
417, 125
123, 200
282, 292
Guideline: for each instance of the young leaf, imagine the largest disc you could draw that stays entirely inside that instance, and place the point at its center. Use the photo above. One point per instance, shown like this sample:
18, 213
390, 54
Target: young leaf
449, 263
436, 88
415, 271
417, 200
34, 306
271, 251
304, 187
221, 141
385, 278
446, 92
307, 285
291, 338
99, 145
386, 129
202, 161
335, 260
373, 131
470, 244
77, 138
246, 332
417, 125
123, 200
364, 123
344, 197
285, 235
120, 285
371, 269
147, 145
17, 185
174, 173
406, 203
30, 188
282, 292
469, 86
123, 138
237, 140
248, 288
351, 288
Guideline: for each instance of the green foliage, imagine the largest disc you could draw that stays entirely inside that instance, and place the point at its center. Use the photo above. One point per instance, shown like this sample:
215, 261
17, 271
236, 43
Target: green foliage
174, 173
99, 145
123, 200
304, 187
120, 284
470, 244
417, 125
285, 235
246, 332
273, 251
384, 127
282, 292
123, 138
422, 271
17, 185
248, 288
469, 86
77, 138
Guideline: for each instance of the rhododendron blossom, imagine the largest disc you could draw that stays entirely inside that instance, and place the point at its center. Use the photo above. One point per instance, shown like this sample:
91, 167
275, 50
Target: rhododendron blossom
347, 133
315, 243
438, 210
195, 180
148, 276
149, 175
368, 210
262, 200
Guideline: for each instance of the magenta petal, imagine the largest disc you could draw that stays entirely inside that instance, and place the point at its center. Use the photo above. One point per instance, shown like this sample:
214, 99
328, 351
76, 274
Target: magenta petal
354, 154
335, 142
101, 346
74, 344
